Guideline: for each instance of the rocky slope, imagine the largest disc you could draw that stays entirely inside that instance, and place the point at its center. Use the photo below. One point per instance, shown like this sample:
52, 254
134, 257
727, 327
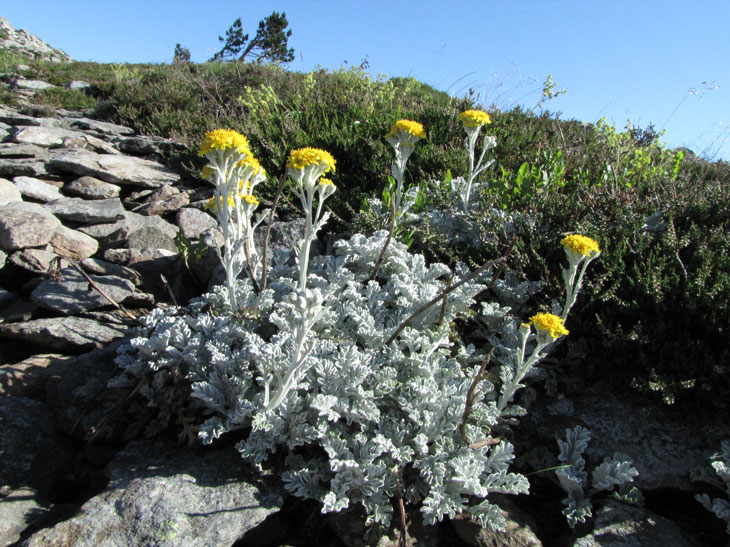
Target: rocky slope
21, 41
89, 214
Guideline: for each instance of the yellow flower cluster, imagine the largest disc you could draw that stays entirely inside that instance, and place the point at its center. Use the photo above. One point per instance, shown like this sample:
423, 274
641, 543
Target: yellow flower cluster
211, 205
301, 158
222, 139
248, 198
252, 162
581, 244
325, 182
474, 118
549, 323
406, 126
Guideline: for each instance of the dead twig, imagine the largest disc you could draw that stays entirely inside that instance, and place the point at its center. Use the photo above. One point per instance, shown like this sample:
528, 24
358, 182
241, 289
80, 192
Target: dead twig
98, 289
169, 290
403, 542
443, 294
470, 394
387, 242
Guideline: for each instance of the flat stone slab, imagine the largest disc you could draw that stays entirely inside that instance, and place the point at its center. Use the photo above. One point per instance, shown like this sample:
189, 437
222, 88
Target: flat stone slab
74, 334
115, 169
102, 127
29, 447
88, 211
92, 188
46, 136
73, 244
193, 222
165, 497
37, 261
73, 293
20, 229
8, 192
37, 189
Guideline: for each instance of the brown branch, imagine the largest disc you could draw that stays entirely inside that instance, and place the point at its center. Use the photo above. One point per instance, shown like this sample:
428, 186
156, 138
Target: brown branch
401, 507
279, 189
169, 290
503, 264
247, 254
443, 294
102, 293
443, 306
387, 241
470, 394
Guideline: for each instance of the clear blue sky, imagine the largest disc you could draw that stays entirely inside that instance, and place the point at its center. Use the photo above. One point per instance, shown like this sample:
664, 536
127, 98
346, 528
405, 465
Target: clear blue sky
662, 62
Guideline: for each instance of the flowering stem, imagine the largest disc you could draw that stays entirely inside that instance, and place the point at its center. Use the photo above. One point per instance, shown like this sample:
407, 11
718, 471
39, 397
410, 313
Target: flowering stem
509, 389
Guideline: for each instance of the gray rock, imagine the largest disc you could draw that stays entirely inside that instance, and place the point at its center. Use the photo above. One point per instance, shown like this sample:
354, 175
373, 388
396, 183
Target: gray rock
73, 334
88, 211
78, 84
164, 497
20, 509
32, 208
102, 127
519, 532
50, 137
115, 169
617, 524
149, 239
136, 222
117, 256
6, 297
165, 205
18, 310
101, 267
108, 234
8, 192
143, 145
73, 293
13, 167
29, 447
22, 228
37, 189
28, 45
31, 85
619, 424
19, 151
193, 222
13, 117
77, 393
36, 261
28, 377
92, 188
73, 244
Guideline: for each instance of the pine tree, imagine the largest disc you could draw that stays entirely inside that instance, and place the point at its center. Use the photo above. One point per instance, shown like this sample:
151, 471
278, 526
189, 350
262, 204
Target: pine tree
269, 44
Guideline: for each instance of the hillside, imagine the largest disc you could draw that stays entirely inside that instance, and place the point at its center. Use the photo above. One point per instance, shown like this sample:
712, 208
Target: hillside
648, 344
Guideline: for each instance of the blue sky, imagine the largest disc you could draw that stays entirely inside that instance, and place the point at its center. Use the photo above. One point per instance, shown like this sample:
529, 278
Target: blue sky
661, 62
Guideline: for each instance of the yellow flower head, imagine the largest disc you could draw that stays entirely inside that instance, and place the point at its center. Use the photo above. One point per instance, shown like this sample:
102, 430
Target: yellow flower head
253, 163
580, 244
474, 118
549, 323
325, 182
223, 139
414, 129
303, 157
248, 198
211, 205
207, 171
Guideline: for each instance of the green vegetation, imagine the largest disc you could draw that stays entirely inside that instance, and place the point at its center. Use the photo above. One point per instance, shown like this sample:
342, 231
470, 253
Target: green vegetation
660, 292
